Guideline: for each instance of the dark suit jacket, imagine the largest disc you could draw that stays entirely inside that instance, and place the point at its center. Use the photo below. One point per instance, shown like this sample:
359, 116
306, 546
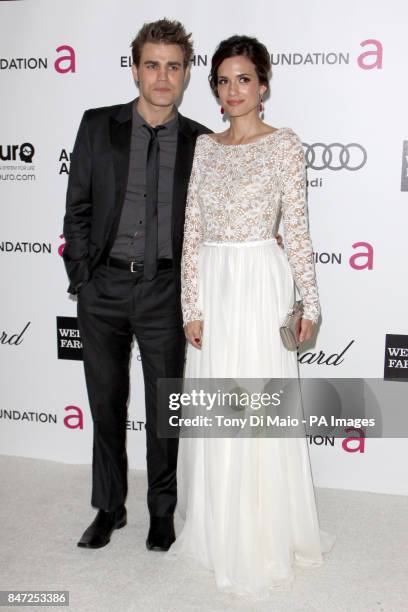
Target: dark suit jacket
97, 185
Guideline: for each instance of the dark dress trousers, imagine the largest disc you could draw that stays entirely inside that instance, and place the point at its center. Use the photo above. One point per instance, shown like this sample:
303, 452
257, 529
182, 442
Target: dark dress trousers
114, 304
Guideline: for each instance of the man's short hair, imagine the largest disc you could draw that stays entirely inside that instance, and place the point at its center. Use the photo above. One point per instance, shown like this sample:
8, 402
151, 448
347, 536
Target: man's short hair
163, 31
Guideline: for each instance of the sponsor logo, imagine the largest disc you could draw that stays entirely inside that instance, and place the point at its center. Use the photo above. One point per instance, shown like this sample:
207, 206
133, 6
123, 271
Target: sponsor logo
24, 152
199, 60
313, 58
74, 419
25, 247
135, 425
65, 160
23, 63
396, 357
371, 58
30, 416
327, 258
340, 401
63, 63
69, 343
61, 246
404, 167
335, 156
316, 182
349, 444
15, 171
363, 259
125, 61
322, 358
14, 338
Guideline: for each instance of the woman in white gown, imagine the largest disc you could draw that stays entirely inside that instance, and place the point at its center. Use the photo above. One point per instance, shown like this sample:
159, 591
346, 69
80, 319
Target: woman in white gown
248, 503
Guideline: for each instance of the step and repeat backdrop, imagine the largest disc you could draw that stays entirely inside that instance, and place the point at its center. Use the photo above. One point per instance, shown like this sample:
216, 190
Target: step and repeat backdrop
338, 77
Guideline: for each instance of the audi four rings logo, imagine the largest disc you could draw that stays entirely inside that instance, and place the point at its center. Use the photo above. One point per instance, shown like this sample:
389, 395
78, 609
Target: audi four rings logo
335, 156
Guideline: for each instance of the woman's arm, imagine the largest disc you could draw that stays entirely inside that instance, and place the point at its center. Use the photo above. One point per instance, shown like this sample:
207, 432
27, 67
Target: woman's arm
193, 236
296, 226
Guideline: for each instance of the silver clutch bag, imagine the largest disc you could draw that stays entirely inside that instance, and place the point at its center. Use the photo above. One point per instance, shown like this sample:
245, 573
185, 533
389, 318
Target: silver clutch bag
290, 328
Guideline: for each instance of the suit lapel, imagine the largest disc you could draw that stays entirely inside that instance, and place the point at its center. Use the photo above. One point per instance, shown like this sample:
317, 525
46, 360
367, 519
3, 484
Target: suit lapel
120, 132
120, 129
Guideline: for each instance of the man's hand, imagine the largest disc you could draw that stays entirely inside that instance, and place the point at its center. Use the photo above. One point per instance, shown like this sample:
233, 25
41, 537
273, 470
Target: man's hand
307, 330
194, 333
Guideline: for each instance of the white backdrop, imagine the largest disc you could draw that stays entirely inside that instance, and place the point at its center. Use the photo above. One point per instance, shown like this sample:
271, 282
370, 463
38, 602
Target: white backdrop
337, 78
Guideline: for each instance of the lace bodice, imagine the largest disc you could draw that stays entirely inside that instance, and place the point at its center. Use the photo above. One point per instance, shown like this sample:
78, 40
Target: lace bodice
235, 194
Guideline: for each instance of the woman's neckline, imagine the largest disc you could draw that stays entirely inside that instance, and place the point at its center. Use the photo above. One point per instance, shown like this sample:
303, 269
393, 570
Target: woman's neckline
247, 144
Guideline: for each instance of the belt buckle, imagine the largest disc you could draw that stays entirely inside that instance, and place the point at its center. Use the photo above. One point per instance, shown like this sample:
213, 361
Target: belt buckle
132, 264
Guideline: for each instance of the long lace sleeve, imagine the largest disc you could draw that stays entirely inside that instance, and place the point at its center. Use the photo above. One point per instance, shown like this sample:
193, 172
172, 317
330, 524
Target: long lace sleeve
193, 236
296, 225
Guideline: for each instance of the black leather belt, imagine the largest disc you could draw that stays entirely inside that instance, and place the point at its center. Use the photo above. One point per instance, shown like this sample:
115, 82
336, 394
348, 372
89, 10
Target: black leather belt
136, 266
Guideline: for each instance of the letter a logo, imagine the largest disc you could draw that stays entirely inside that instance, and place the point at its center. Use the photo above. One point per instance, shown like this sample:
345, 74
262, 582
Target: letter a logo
65, 63
376, 54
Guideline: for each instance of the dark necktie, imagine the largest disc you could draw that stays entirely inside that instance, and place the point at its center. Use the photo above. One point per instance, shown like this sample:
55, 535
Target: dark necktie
152, 183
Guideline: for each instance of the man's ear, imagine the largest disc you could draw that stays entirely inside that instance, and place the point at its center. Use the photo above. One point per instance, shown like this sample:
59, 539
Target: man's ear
187, 73
135, 72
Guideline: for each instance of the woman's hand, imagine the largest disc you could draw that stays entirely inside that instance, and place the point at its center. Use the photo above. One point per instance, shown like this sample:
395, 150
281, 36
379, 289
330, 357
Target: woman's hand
279, 240
307, 330
194, 333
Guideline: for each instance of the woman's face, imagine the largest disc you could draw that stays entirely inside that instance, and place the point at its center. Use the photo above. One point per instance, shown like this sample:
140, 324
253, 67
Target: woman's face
238, 85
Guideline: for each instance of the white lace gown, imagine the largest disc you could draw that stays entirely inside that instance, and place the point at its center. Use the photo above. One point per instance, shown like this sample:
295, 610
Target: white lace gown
248, 504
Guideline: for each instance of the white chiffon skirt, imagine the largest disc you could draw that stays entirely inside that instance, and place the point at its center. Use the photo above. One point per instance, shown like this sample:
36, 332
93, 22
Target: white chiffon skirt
248, 504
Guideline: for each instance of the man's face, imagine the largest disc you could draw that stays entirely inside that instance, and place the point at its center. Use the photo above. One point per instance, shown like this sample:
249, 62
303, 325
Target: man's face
161, 74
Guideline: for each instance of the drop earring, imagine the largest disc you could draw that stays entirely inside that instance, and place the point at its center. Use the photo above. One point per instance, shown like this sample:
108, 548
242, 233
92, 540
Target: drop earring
222, 110
261, 109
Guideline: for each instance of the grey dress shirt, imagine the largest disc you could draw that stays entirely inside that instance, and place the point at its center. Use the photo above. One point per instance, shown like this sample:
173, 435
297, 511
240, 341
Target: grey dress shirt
130, 239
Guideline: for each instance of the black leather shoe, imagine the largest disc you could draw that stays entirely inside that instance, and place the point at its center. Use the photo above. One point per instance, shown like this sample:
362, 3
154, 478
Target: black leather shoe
99, 531
161, 533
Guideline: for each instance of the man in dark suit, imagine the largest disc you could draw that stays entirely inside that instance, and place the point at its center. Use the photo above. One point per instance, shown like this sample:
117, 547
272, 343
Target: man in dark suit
123, 227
